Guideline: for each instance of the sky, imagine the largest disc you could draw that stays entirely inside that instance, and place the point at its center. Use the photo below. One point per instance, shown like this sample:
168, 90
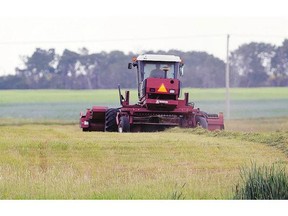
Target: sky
134, 26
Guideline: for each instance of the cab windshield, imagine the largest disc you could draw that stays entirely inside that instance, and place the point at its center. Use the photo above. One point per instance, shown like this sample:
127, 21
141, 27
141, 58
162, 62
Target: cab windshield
158, 70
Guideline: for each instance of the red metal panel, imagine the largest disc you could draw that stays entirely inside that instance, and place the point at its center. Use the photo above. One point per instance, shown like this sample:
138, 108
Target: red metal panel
98, 118
157, 83
216, 123
94, 120
139, 109
161, 102
99, 109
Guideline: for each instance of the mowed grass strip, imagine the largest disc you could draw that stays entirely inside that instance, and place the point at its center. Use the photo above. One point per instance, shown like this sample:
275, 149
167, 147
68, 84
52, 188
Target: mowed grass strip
61, 162
271, 124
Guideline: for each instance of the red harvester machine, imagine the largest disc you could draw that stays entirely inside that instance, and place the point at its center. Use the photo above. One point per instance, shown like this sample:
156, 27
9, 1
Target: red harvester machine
159, 105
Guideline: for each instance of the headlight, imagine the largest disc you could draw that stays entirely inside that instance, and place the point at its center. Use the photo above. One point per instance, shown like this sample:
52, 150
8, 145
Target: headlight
172, 91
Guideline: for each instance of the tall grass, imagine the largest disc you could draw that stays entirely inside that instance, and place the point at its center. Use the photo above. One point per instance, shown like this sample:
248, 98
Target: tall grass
262, 182
277, 139
177, 194
61, 162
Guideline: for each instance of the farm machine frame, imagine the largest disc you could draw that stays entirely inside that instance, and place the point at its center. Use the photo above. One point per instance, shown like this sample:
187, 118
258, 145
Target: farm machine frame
159, 105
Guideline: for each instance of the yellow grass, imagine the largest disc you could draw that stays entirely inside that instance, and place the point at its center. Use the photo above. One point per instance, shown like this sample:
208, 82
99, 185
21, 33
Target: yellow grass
61, 162
258, 125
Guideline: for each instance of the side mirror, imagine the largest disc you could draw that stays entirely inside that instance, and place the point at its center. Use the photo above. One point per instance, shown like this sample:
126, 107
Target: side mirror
181, 70
130, 65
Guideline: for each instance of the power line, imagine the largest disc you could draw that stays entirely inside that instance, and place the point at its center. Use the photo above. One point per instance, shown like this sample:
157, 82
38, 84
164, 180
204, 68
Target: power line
110, 40
227, 80
259, 35
142, 39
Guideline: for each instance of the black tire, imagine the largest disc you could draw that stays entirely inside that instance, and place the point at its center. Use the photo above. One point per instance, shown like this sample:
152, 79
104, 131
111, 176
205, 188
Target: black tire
110, 120
201, 122
124, 125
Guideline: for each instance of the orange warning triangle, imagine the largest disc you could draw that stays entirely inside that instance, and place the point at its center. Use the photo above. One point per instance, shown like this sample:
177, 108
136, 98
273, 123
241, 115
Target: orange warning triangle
162, 88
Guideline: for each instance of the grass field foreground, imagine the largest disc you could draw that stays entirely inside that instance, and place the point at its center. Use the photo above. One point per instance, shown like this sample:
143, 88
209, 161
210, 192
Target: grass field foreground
61, 162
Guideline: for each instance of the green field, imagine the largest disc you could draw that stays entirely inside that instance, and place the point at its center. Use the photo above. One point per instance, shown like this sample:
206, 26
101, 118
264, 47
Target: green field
44, 154
67, 104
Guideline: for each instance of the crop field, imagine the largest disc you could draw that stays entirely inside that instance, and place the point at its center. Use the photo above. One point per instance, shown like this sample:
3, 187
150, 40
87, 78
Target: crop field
67, 104
45, 155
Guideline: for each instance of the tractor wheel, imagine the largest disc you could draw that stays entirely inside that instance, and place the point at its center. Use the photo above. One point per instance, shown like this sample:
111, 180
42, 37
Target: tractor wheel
124, 125
201, 122
110, 120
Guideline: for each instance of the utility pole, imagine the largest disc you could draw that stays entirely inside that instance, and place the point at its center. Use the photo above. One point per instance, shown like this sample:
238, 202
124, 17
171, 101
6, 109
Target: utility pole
227, 81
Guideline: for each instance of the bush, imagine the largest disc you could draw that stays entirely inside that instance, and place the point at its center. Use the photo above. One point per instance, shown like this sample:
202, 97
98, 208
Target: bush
262, 183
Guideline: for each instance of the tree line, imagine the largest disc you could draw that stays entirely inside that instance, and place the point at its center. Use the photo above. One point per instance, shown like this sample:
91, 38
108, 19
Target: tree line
251, 65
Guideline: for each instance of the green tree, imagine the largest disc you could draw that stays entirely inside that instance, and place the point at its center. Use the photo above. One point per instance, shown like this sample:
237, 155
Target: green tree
201, 70
66, 70
253, 64
39, 68
116, 71
280, 66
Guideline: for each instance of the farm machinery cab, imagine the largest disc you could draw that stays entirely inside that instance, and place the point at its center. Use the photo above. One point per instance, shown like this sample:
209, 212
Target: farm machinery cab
159, 105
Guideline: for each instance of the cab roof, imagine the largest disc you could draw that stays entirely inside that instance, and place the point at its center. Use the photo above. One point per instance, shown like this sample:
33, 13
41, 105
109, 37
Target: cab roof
155, 57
